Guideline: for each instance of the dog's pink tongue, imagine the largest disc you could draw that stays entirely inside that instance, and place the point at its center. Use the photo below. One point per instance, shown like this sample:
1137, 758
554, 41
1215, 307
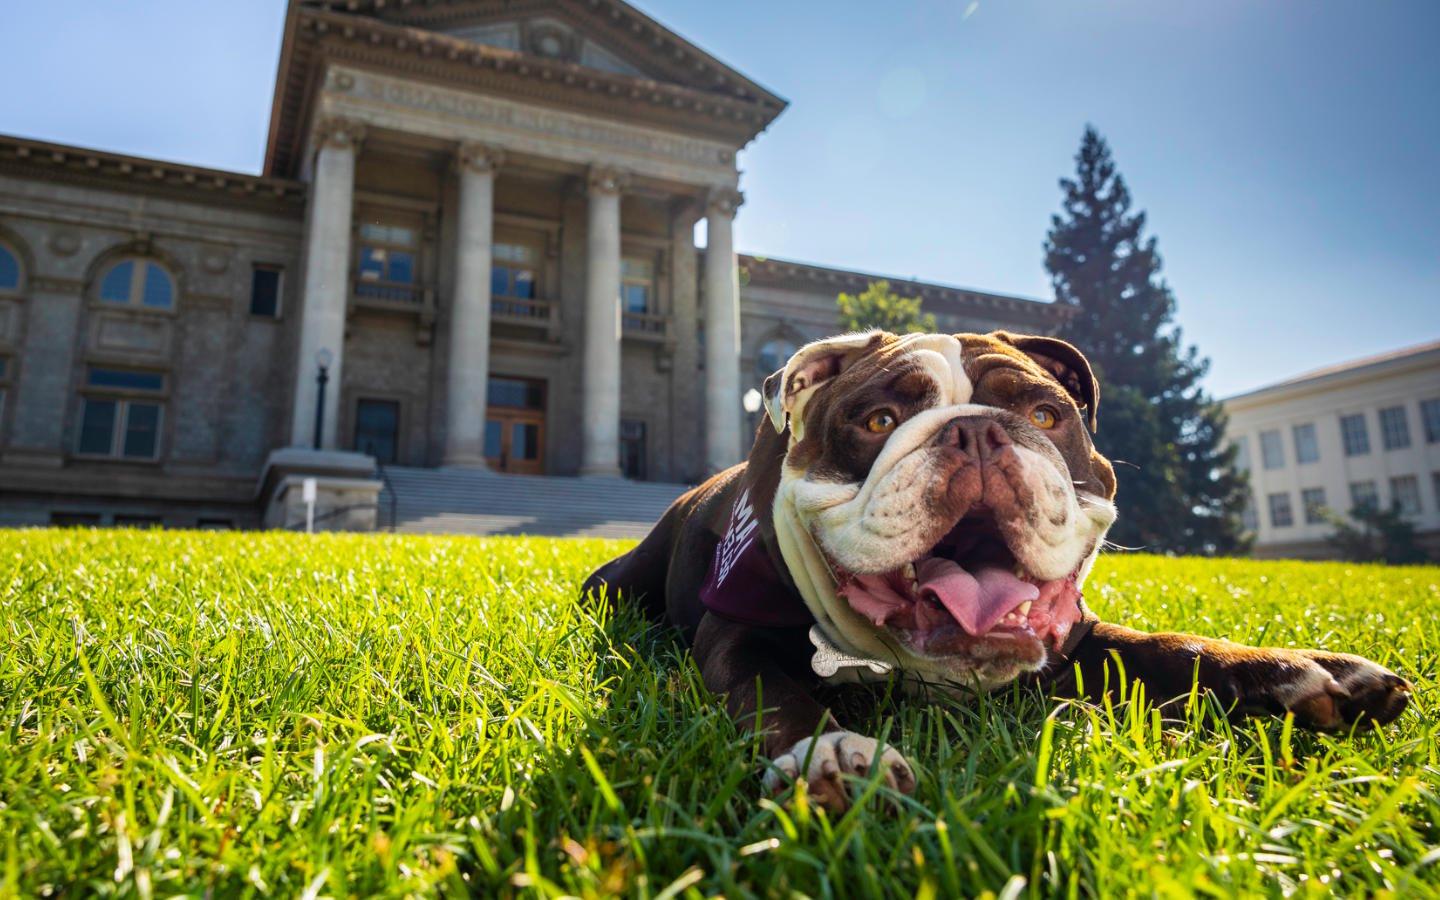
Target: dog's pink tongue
976, 601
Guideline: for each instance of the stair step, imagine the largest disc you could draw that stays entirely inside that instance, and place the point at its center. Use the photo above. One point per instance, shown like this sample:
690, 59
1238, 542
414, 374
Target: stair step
470, 501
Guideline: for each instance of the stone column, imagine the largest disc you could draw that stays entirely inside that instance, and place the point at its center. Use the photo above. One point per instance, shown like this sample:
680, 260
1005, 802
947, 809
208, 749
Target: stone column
326, 279
722, 334
687, 456
469, 362
600, 391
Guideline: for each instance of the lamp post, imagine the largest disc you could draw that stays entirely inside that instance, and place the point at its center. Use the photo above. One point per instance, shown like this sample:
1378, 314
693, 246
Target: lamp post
323, 359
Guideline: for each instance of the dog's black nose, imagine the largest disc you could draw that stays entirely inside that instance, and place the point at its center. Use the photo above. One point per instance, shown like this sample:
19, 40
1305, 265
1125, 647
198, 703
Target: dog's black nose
977, 436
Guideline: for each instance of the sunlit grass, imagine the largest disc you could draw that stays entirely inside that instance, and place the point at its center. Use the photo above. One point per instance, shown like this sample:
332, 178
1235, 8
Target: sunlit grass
277, 715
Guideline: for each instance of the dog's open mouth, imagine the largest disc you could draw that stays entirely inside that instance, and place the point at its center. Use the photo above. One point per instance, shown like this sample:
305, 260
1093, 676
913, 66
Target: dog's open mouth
967, 590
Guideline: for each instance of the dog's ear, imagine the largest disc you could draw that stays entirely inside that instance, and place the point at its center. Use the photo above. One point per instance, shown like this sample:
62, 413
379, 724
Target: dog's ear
787, 389
1064, 361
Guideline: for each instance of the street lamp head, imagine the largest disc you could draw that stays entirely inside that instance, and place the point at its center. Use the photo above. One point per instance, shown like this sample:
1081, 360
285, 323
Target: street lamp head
323, 357
751, 401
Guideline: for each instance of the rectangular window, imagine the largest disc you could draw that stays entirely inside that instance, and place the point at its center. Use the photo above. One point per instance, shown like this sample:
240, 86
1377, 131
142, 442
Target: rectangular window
74, 519
1394, 428
516, 393
632, 448
377, 429
1248, 520
1405, 493
265, 292
1435, 484
125, 379
1272, 451
513, 271
1313, 500
1307, 447
1354, 434
1364, 495
1430, 413
387, 254
127, 429
637, 285
1281, 516
1242, 453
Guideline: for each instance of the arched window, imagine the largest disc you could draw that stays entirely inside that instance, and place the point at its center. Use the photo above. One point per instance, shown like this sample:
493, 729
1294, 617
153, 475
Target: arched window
138, 282
9, 271
774, 354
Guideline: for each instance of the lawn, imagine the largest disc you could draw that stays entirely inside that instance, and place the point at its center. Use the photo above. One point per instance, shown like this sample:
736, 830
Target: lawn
247, 714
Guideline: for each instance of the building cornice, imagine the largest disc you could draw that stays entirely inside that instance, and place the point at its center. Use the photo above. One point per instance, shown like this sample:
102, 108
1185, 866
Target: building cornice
764, 271
638, 35
1343, 376
315, 35
83, 165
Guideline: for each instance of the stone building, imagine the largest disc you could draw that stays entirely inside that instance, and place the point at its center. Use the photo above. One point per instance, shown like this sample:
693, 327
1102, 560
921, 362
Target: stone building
472, 246
1361, 433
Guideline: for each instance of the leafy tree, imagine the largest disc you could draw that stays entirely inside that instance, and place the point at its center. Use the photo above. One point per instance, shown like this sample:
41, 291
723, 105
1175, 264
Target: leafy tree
1372, 534
1179, 489
879, 307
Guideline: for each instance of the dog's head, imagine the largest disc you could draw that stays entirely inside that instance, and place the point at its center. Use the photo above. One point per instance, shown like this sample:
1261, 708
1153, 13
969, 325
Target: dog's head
939, 501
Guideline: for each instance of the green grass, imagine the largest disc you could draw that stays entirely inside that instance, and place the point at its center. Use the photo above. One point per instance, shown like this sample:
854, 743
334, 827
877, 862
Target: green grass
188, 713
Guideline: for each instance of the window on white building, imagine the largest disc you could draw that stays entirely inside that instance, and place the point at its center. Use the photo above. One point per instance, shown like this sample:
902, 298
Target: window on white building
1364, 495
1307, 447
1313, 501
637, 285
138, 282
1430, 413
117, 418
1281, 515
1394, 428
514, 270
9, 270
1242, 453
1272, 450
1405, 493
1354, 434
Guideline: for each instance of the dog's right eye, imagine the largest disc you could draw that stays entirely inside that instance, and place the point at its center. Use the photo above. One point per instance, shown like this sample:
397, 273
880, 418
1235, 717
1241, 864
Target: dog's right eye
882, 422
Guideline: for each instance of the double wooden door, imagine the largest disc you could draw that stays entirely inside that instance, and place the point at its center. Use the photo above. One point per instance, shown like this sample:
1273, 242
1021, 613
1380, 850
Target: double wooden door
515, 425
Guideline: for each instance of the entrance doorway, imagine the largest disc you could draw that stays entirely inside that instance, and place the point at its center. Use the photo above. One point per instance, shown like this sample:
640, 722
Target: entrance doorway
515, 425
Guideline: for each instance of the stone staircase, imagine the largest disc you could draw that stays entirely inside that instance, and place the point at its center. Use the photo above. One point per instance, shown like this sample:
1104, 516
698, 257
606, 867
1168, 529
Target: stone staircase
477, 501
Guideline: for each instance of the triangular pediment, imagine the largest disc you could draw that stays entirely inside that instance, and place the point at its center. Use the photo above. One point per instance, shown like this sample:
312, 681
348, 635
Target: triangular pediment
608, 36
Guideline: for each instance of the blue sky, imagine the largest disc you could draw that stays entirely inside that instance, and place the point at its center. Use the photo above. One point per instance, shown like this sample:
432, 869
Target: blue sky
1288, 152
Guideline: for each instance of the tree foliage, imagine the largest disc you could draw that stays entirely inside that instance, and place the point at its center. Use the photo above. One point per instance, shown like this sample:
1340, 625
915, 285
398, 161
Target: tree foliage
879, 307
1179, 490
1372, 534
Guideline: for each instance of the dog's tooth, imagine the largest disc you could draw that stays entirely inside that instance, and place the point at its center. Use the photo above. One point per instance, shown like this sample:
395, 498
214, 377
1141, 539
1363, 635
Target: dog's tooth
1024, 609
909, 571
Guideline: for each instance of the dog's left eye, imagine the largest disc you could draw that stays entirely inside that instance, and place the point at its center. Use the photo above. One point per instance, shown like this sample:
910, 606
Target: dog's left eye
1043, 417
882, 422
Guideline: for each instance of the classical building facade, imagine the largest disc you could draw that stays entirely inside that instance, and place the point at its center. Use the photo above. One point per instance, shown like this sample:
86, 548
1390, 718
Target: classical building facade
1362, 433
472, 245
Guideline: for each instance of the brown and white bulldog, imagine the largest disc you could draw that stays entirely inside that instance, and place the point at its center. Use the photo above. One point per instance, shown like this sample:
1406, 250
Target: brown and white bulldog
927, 507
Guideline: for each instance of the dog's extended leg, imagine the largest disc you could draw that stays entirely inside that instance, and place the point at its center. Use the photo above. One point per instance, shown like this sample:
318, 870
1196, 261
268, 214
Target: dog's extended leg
1324, 690
742, 663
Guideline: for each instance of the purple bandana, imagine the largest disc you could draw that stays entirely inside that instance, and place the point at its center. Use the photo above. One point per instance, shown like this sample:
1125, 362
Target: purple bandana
743, 584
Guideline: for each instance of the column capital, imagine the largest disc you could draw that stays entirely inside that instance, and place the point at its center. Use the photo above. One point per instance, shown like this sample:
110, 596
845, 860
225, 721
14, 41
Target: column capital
339, 132
607, 180
724, 201
476, 157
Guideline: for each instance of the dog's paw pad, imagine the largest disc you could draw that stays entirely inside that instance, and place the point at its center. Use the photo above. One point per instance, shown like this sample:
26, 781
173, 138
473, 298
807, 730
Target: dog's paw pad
828, 759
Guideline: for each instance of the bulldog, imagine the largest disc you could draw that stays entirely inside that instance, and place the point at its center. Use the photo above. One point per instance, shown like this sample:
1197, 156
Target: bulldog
927, 508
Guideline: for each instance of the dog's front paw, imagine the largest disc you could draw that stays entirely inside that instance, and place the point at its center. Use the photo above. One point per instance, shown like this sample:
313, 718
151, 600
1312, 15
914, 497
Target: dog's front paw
1329, 691
826, 761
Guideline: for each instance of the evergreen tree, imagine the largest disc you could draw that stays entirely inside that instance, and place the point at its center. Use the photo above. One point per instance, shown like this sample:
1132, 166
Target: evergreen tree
1179, 490
1376, 535
879, 307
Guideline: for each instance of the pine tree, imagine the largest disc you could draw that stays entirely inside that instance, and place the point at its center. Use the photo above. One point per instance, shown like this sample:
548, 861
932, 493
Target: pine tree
1179, 490
879, 307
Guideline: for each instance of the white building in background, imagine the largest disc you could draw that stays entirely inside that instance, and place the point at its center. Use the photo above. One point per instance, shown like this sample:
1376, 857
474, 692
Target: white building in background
1361, 432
